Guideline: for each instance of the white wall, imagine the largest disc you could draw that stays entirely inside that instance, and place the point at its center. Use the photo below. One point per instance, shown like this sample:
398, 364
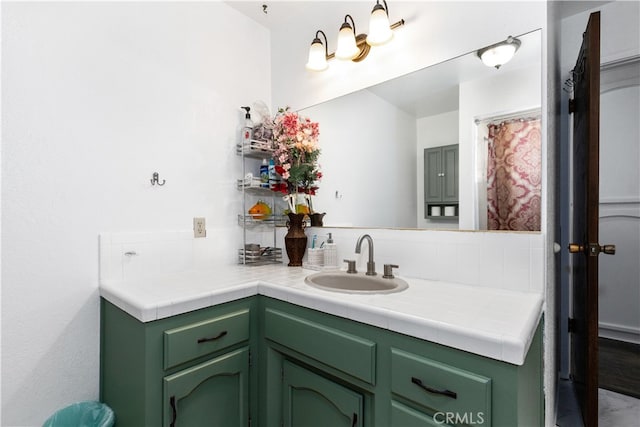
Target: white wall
433, 131
551, 89
96, 97
508, 92
619, 275
376, 185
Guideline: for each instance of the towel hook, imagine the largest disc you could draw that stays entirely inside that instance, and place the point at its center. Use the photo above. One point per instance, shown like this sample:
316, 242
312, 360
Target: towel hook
155, 179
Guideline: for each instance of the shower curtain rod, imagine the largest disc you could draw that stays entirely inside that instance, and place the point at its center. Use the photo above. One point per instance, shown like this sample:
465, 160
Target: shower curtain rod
520, 115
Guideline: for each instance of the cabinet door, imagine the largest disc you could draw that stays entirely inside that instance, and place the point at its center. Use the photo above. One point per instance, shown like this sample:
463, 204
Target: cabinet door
310, 400
433, 175
449, 178
213, 393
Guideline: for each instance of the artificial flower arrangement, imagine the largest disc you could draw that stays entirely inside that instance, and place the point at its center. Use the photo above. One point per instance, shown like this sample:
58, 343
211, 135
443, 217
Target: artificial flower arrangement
295, 156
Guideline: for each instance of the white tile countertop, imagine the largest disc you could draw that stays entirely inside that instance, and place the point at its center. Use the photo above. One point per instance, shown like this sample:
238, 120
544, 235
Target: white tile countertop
495, 323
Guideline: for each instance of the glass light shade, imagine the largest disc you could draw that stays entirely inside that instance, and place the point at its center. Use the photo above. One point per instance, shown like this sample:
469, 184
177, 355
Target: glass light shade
498, 55
317, 57
379, 28
347, 47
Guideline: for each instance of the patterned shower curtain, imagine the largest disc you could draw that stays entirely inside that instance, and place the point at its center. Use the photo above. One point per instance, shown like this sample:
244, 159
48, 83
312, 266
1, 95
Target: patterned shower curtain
514, 175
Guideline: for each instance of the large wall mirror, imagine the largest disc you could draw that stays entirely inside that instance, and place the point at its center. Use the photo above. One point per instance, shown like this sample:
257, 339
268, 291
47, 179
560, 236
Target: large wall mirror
373, 145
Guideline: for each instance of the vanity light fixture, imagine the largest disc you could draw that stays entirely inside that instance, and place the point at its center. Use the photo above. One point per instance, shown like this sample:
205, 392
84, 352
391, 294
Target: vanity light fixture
347, 44
500, 53
350, 45
379, 27
318, 53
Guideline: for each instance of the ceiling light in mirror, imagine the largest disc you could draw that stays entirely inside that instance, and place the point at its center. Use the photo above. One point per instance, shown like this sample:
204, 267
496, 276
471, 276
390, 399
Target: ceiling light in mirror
499, 53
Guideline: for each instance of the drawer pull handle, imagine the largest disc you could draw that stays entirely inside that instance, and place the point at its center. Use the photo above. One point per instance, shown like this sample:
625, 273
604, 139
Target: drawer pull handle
447, 393
354, 420
217, 337
172, 402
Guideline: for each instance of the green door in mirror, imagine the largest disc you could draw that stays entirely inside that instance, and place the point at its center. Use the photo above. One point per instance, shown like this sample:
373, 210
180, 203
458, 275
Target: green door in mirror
311, 400
441, 181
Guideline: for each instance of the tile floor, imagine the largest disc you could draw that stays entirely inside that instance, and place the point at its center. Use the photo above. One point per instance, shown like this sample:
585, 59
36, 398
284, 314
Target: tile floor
617, 409
614, 409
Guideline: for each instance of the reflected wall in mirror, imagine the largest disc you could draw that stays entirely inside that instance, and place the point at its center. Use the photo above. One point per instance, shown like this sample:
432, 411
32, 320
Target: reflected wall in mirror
373, 142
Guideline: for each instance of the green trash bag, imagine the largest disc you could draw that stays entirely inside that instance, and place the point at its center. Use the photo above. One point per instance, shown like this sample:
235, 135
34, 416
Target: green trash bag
82, 414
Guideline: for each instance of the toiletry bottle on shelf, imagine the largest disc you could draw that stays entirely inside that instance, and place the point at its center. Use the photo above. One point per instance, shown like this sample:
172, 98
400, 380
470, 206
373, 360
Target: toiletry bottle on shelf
330, 253
247, 129
273, 176
264, 174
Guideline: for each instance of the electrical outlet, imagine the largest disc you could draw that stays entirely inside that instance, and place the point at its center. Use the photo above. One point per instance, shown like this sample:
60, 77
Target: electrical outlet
199, 227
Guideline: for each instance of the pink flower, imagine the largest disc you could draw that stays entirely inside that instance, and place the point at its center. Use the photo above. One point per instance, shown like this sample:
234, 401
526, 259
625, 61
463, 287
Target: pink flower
295, 146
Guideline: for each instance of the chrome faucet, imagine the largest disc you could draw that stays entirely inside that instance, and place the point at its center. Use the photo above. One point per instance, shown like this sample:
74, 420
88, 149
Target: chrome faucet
371, 266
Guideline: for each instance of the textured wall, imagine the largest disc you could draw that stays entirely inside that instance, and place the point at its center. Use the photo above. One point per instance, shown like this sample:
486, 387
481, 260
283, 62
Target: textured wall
96, 97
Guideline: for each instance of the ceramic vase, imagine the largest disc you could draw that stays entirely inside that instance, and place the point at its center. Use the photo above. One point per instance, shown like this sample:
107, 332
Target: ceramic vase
316, 219
295, 241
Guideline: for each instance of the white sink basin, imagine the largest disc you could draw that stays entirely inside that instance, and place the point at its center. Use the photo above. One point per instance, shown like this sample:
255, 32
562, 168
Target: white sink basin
358, 283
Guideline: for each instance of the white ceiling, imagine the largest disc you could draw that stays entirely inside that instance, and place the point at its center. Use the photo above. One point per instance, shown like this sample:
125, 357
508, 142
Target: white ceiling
327, 14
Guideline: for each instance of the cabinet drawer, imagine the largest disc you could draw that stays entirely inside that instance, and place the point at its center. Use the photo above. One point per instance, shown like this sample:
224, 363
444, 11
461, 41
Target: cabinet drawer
348, 353
198, 339
404, 416
440, 387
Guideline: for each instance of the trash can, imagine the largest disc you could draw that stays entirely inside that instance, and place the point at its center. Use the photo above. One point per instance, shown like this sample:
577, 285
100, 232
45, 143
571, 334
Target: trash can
82, 414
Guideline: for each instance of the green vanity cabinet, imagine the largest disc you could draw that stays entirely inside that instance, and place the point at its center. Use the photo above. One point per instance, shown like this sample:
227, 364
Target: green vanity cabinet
392, 379
187, 370
260, 361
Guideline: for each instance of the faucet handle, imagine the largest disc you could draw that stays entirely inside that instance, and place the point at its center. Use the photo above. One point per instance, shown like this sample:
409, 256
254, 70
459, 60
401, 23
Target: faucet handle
351, 266
388, 271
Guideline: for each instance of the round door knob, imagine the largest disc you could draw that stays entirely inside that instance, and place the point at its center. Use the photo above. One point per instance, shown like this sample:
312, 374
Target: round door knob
592, 249
608, 249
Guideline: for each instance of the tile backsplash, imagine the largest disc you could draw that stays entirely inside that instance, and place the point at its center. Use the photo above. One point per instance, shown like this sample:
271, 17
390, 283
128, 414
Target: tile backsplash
492, 259
133, 255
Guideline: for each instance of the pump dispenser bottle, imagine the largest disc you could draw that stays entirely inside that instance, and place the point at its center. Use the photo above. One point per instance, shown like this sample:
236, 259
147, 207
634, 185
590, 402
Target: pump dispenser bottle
247, 129
330, 253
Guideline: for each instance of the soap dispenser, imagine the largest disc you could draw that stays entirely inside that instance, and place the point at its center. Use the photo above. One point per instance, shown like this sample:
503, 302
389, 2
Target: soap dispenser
247, 129
330, 253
